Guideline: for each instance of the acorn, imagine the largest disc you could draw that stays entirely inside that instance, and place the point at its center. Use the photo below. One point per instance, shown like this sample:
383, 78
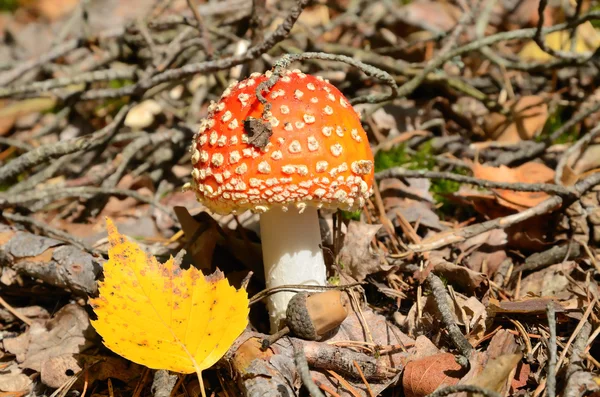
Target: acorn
311, 316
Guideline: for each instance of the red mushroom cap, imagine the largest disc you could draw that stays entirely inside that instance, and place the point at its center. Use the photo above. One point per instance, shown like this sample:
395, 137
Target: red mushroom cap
318, 153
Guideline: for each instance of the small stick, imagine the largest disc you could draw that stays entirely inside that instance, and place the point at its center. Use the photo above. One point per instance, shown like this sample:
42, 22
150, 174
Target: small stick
362, 376
14, 312
446, 391
441, 300
551, 377
305, 375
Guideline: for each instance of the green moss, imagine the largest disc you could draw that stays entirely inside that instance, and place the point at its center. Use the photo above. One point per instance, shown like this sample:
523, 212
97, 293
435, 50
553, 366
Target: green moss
334, 280
555, 121
352, 216
394, 157
423, 159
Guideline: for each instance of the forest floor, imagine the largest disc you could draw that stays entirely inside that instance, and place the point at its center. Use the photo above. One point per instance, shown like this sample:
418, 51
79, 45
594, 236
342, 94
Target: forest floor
473, 267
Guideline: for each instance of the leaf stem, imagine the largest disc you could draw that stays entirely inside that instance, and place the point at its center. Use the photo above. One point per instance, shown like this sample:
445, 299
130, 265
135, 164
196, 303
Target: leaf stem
199, 374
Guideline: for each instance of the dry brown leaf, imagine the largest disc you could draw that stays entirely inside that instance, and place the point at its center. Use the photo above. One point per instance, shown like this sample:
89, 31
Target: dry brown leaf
527, 173
521, 376
55, 372
527, 116
434, 16
202, 248
531, 306
69, 331
12, 379
355, 256
422, 377
548, 282
498, 372
455, 274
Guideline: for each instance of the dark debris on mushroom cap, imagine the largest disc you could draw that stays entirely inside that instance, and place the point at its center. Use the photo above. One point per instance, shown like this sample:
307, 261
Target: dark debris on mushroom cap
316, 152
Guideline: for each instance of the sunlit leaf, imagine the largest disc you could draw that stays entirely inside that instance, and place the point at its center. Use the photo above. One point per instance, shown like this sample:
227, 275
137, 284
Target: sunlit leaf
163, 317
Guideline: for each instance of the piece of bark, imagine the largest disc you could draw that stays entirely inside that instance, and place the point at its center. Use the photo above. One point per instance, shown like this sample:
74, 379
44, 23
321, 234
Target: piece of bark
52, 261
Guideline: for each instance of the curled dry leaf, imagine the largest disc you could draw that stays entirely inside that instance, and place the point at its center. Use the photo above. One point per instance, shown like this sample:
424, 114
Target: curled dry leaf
527, 173
58, 370
422, 377
498, 372
69, 331
526, 118
162, 316
430, 15
356, 256
13, 380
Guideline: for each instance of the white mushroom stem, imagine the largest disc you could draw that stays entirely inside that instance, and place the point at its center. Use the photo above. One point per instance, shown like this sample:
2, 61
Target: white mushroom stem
291, 255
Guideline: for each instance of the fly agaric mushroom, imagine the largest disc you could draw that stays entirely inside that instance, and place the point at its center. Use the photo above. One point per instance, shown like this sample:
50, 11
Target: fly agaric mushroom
305, 150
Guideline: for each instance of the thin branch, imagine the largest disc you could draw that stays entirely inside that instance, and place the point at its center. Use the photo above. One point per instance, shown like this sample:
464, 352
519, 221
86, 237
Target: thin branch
446, 391
41, 198
551, 377
83, 78
22, 68
51, 151
399, 172
204, 67
369, 70
49, 230
539, 38
441, 299
302, 367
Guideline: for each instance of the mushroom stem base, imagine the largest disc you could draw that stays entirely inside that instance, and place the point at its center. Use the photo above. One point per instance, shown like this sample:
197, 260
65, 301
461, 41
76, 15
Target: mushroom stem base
291, 255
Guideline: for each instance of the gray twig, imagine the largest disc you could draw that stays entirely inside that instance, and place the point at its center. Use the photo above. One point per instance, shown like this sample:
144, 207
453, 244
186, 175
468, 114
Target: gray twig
49, 230
50, 151
367, 69
529, 150
304, 371
539, 38
88, 77
204, 67
58, 51
551, 377
399, 172
41, 198
446, 391
441, 299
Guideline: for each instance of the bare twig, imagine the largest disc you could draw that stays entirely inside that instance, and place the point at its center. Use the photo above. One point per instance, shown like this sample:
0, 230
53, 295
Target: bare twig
58, 51
529, 150
546, 206
551, 377
539, 38
446, 391
204, 67
49, 230
302, 367
441, 299
42, 197
399, 172
50, 151
367, 69
88, 77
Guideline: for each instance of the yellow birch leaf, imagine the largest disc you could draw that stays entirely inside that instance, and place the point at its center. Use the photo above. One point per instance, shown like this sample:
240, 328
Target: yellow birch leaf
587, 39
163, 317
